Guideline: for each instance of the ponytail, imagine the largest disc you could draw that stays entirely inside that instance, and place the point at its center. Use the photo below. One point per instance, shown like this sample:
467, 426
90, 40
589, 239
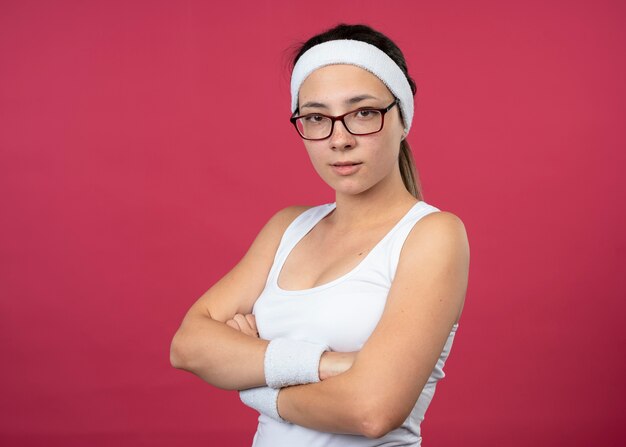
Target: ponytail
409, 174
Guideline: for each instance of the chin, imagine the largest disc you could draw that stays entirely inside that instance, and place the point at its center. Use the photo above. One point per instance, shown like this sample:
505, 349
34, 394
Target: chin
351, 190
347, 185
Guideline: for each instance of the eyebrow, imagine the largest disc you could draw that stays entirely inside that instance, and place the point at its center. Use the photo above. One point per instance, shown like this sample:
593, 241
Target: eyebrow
349, 101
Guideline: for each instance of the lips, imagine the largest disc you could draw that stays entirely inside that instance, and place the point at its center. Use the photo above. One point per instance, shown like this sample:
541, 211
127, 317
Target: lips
345, 168
346, 163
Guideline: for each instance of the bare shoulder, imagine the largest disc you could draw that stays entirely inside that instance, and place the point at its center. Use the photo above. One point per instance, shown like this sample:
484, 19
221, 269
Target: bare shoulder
438, 230
263, 249
268, 239
279, 222
444, 219
436, 255
237, 291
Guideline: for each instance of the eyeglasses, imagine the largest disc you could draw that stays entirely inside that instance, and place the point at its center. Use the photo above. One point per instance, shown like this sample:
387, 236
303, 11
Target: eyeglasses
365, 121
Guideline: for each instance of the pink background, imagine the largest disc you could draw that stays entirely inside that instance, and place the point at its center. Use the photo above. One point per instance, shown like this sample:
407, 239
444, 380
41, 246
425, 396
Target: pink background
144, 144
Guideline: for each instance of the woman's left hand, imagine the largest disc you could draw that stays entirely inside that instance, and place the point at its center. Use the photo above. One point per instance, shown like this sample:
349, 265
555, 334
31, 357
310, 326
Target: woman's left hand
245, 324
334, 363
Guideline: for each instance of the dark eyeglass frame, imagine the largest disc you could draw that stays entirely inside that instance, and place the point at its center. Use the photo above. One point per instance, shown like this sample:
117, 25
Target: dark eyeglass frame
382, 112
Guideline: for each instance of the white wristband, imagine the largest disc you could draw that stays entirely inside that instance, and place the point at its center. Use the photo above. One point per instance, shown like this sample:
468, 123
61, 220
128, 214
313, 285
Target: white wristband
262, 399
291, 362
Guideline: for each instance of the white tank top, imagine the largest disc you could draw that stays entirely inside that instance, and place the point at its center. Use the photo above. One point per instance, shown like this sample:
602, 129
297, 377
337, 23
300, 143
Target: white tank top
341, 314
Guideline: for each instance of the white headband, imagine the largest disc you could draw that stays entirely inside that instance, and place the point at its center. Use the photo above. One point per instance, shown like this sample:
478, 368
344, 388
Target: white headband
361, 54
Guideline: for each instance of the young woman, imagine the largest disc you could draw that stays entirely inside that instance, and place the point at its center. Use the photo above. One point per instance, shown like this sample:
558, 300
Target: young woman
356, 302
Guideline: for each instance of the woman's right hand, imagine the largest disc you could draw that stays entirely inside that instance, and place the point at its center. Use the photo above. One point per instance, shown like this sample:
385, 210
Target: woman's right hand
245, 324
334, 363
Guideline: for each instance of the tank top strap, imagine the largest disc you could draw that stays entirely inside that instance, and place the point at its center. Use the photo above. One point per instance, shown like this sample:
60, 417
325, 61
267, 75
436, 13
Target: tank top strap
394, 245
296, 230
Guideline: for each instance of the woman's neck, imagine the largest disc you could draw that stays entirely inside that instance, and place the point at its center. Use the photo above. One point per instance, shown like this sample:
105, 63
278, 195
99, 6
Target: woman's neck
373, 207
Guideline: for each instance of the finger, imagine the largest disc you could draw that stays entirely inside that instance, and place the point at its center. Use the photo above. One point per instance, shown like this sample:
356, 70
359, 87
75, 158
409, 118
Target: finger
252, 322
244, 325
233, 324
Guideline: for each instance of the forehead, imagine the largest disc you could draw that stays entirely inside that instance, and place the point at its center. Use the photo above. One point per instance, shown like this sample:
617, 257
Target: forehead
341, 80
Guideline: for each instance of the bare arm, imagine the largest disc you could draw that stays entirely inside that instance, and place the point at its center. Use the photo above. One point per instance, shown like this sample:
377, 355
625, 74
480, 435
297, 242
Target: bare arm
204, 344
331, 363
426, 298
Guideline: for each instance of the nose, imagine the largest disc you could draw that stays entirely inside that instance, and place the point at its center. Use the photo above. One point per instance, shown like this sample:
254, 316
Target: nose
341, 138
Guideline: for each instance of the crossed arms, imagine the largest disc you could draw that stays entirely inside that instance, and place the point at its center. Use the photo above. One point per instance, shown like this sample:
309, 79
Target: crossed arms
378, 391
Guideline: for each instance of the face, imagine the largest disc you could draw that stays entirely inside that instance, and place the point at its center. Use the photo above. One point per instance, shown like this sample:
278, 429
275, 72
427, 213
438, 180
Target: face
334, 90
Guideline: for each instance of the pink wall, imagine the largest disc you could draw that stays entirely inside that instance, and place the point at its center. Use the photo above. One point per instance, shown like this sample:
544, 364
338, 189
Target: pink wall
144, 144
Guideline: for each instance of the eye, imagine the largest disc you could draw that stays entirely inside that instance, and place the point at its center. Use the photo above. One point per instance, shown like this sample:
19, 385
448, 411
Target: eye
313, 119
366, 114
